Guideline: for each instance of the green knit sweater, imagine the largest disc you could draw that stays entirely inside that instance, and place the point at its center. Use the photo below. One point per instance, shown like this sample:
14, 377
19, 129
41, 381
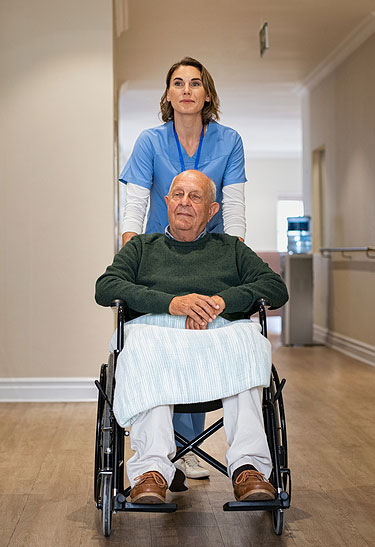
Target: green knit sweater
152, 269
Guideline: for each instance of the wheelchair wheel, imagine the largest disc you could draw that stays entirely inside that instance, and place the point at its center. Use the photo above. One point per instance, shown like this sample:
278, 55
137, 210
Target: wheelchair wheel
281, 436
106, 504
278, 521
98, 439
105, 475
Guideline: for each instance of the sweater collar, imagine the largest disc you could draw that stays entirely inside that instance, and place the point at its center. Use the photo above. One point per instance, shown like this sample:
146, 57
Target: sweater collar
170, 236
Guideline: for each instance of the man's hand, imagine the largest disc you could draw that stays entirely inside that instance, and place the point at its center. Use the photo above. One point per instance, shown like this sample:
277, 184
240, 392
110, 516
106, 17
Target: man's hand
203, 306
194, 325
199, 307
220, 302
126, 236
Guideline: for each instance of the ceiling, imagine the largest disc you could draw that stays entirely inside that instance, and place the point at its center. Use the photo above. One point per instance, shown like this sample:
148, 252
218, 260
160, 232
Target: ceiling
258, 94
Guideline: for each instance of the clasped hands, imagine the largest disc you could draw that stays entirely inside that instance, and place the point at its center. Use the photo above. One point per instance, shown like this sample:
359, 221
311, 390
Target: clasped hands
198, 308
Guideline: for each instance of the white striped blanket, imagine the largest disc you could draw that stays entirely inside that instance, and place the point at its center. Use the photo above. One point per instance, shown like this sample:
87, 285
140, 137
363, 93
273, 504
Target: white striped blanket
163, 363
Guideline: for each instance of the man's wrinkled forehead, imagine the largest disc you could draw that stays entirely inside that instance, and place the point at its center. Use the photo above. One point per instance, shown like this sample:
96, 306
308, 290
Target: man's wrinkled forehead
189, 183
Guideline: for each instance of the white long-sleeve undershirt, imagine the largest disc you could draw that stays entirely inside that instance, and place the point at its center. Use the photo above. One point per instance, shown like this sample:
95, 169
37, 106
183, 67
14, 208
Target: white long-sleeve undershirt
233, 209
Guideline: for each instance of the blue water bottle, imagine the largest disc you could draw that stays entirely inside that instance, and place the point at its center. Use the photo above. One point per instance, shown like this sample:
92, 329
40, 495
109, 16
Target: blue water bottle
299, 236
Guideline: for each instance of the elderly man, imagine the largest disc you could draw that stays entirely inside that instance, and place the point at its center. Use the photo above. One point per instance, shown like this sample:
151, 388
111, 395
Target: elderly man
189, 272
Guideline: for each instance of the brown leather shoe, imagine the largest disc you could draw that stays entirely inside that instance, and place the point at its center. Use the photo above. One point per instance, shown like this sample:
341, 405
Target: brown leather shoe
151, 487
251, 486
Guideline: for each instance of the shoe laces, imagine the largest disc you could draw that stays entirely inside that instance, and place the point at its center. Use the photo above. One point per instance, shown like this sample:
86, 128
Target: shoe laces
154, 475
242, 477
191, 459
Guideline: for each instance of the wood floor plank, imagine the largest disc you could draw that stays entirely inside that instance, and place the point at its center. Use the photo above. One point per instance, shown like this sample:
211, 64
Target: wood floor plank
11, 509
49, 522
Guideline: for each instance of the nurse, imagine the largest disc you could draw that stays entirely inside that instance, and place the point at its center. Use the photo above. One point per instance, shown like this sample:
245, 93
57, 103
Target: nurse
190, 138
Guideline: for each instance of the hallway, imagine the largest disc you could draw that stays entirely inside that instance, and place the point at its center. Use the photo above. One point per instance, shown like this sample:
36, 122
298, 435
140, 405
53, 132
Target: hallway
47, 460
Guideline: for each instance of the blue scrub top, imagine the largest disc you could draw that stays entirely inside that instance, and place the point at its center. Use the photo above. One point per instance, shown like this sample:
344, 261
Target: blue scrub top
154, 163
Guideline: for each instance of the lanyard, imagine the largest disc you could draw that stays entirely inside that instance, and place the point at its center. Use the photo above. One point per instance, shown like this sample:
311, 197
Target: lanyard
197, 157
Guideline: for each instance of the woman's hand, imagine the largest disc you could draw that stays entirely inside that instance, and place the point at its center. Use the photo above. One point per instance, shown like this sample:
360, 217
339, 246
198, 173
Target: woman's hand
126, 236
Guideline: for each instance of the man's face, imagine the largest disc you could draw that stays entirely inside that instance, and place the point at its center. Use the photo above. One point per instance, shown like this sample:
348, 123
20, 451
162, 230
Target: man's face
189, 206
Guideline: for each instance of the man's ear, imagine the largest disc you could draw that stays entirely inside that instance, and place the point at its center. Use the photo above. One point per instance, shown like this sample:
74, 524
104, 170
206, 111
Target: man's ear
166, 200
214, 207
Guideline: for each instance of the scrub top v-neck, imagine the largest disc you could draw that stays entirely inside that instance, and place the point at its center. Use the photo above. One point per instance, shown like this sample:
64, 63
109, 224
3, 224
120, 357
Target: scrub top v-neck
197, 153
155, 161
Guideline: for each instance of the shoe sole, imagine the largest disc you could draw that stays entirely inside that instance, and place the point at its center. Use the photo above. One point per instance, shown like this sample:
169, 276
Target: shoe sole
148, 498
258, 495
200, 478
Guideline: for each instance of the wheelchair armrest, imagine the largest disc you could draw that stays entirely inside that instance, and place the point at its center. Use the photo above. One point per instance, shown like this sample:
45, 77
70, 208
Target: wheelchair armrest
262, 303
122, 310
117, 303
260, 307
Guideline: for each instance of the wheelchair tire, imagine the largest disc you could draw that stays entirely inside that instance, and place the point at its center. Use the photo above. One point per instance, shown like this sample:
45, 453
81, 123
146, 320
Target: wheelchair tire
282, 443
106, 504
98, 438
278, 521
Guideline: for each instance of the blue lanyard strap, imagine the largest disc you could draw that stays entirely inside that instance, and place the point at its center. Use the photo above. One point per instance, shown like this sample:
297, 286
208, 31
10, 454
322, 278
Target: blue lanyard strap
197, 157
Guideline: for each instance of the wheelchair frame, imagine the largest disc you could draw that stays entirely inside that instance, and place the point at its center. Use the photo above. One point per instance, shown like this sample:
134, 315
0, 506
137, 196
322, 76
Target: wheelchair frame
109, 492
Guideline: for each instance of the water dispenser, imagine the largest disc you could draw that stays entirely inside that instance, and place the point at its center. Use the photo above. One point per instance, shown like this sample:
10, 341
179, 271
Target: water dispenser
299, 236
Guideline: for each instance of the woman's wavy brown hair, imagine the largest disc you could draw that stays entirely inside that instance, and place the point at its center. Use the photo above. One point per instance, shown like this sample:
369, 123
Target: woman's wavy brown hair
210, 111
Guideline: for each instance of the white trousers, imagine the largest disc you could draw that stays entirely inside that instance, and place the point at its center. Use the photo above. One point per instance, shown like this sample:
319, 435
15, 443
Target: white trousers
152, 438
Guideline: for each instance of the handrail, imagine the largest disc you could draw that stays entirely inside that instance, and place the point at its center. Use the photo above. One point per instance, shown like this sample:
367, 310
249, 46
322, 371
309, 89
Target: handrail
326, 251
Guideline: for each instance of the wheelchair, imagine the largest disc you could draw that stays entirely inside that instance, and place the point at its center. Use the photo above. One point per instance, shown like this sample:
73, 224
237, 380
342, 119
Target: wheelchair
109, 488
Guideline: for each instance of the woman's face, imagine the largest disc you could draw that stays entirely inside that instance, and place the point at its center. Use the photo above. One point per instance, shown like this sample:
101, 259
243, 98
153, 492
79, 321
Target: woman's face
186, 92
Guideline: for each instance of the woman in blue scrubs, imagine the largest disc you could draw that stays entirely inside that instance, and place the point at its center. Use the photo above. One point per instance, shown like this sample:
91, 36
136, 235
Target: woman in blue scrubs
190, 138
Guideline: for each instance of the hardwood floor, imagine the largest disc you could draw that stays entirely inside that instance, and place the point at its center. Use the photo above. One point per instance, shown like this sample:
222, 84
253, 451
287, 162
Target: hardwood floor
47, 455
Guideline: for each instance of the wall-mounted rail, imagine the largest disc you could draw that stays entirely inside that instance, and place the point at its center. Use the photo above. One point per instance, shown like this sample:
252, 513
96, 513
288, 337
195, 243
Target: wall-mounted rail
327, 251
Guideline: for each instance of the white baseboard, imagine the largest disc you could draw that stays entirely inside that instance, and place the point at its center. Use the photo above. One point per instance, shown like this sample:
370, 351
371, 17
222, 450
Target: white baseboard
320, 335
354, 348
47, 390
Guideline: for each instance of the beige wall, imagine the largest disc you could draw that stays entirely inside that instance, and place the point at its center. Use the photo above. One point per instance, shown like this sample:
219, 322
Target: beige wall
339, 115
268, 180
56, 185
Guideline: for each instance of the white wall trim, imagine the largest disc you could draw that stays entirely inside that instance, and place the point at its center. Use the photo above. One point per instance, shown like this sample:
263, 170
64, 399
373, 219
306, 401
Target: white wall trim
320, 334
47, 390
351, 43
354, 348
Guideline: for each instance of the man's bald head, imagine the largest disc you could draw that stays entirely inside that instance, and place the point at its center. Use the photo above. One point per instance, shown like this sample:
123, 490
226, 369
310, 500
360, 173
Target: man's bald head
198, 176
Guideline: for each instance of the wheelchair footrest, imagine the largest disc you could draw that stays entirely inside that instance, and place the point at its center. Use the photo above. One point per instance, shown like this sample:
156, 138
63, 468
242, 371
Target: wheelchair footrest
281, 502
149, 507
